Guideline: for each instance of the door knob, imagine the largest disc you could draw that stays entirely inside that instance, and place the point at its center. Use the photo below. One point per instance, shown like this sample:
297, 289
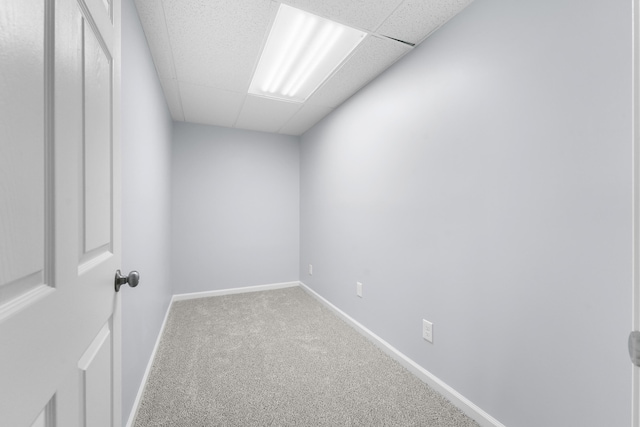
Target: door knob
132, 279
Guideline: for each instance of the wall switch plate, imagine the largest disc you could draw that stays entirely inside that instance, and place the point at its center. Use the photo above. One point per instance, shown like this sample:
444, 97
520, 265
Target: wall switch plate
359, 289
427, 330
310, 270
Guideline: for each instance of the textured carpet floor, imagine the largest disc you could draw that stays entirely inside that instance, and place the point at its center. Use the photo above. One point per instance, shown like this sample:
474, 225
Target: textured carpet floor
279, 358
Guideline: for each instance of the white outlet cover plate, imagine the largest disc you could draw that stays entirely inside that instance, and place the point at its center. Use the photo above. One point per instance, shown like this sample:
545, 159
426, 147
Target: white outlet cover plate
427, 330
359, 289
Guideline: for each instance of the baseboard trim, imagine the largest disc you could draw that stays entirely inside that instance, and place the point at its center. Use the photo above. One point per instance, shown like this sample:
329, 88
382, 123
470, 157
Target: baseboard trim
258, 288
143, 384
464, 404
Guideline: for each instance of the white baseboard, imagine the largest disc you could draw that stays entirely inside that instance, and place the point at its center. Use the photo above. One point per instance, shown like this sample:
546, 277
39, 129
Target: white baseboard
258, 288
464, 404
143, 383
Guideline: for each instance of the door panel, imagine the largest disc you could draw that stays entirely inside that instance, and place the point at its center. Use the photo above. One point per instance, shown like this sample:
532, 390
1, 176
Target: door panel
22, 150
46, 417
97, 144
95, 374
59, 213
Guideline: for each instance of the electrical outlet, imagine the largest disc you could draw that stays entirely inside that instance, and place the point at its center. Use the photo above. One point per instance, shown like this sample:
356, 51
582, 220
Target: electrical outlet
359, 289
427, 330
310, 270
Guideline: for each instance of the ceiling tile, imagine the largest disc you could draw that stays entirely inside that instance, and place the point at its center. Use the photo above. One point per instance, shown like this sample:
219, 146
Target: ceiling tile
152, 18
207, 105
205, 52
374, 55
414, 20
263, 114
172, 95
304, 119
363, 14
216, 43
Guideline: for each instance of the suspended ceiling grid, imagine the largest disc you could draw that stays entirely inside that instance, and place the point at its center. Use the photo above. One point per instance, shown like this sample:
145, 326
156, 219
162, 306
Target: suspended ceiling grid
205, 52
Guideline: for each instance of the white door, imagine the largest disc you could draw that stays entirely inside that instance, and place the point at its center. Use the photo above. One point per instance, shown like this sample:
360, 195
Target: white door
59, 213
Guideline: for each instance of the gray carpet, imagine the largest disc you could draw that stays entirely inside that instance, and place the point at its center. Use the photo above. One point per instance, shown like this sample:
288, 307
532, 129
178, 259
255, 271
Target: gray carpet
279, 358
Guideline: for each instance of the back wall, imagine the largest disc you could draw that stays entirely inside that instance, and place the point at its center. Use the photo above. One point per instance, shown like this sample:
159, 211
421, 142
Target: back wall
235, 208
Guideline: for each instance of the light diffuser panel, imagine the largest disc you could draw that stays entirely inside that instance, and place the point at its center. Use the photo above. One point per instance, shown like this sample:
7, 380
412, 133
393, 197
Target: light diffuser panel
301, 52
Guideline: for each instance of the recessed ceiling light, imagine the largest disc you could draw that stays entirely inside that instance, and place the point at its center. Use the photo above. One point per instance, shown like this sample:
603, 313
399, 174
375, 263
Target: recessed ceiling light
301, 52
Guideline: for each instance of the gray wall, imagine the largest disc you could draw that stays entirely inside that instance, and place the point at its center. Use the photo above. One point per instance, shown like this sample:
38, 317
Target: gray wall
235, 208
146, 151
484, 183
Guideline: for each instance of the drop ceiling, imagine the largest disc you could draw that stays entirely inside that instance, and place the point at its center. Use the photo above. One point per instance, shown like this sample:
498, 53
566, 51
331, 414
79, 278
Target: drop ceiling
205, 52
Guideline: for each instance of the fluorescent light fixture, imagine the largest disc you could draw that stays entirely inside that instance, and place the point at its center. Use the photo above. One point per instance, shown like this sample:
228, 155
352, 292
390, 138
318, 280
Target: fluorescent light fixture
302, 50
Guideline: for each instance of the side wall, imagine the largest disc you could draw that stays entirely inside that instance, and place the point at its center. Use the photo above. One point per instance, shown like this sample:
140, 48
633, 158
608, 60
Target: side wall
484, 183
146, 151
235, 208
